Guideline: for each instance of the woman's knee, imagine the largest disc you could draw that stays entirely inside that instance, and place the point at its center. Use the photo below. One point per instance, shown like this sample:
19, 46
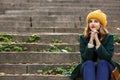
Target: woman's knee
102, 62
89, 62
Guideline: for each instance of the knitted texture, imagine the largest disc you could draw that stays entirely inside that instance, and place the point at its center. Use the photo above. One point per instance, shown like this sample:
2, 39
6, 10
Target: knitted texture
99, 15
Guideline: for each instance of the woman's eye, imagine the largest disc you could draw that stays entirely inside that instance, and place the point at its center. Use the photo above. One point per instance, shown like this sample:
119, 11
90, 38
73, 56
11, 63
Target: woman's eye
96, 21
90, 21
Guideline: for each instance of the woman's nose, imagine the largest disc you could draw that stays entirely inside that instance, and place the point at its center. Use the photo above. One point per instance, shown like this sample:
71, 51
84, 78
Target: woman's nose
92, 23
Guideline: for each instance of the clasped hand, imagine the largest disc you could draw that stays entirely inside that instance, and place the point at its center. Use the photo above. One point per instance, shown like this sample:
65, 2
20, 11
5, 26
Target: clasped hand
94, 34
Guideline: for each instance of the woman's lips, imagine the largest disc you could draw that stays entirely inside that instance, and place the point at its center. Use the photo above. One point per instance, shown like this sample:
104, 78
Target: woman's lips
93, 27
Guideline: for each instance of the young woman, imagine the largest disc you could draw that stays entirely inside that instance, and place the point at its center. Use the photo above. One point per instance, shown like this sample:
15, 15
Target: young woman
96, 48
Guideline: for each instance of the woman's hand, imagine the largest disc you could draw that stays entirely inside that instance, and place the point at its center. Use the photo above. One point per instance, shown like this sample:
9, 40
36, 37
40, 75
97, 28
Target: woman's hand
94, 36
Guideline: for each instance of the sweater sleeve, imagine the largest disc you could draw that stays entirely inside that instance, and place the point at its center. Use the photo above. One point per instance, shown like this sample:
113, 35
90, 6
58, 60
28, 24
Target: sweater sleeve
106, 51
86, 53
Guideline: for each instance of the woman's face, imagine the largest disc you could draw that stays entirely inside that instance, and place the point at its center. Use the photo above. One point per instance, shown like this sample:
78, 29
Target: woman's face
94, 24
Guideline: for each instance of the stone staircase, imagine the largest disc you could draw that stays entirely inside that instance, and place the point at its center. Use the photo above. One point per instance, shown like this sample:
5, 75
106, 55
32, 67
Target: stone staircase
50, 20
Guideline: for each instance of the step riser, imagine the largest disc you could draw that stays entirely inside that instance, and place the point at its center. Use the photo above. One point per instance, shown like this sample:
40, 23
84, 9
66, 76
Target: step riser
56, 24
40, 30
48, 58
58, 29
13, 1
41, 48
13, 69
68, 18
14, 18
67, 11
52, 18
44, 47
9, 30
57, 4
34, 77
14, 24
49, 37
77, 9
46, 24
59, 1
29, 7
66, 24
71, 1
27, 69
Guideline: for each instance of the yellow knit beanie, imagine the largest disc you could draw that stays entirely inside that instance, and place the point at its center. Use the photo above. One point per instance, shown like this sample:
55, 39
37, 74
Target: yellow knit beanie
99, 15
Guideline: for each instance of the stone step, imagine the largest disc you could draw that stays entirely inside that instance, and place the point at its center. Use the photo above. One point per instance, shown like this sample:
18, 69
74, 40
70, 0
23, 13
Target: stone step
3, 10
50, 18
63, 10
14, 24
31, 68
37, 57
34, 30
33, 77
60, 1
13, 1
73, 1
76, 9
28, 1
42, 47
48, 37
19, 5
25, 6
45, 38
42, 22
74, 4
67, 24
12, 6
53, 15
48, 21
46, 24
43, 58
14, 18
69, 0
62, 24
65, 18
18, 30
